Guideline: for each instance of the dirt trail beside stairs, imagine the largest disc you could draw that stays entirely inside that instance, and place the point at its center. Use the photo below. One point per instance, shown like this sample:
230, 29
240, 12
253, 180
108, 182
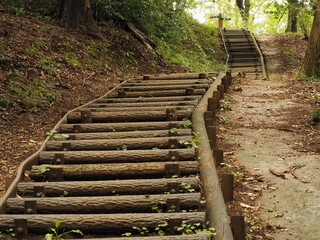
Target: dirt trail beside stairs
266, 132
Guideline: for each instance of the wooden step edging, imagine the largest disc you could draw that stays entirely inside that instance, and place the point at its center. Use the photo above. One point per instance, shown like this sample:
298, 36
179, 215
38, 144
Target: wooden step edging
215, 206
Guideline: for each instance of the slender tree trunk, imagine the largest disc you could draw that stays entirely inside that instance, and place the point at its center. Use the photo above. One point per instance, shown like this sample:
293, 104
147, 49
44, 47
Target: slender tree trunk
244, 8
76, 14
292, 16
311, 63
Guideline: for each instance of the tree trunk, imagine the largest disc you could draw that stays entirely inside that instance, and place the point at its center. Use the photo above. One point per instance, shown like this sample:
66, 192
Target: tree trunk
292, 16
244, 8
77, 14
311, 63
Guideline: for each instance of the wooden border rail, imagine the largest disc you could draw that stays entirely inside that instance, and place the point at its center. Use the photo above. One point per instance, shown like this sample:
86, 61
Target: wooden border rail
216, 209
104, 165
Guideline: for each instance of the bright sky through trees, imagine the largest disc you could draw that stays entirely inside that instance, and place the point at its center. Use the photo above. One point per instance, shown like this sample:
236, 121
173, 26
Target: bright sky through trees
266, 16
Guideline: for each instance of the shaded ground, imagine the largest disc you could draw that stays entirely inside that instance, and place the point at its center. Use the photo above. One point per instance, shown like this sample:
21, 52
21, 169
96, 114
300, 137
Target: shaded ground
268, 135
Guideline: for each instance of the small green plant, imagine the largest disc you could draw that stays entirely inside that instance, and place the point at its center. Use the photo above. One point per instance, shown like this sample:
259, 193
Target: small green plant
192, 143
161, 228
158, 206
56, 136
169, 104
34, 143
45, 168
9, 231
64, 194
123, 147
287, 52
225, 105
226, 165
223, 120
60, 137
186, 125
112, 129
127, 234
54, 232
49, 65
196, 228
238, 174
315, 118
174, 131
142, 230
315, 140
186, 187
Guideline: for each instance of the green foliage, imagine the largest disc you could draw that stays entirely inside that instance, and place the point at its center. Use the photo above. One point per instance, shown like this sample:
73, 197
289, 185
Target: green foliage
191, 46
310, 79
186, 187
192, 143
36, 7
315, 118
179, 38
55, 234
196, 228
37, 93
142, 230
9, 231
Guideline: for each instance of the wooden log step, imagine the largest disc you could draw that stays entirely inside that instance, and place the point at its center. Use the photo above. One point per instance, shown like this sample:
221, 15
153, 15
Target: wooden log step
122, 127
102, 223
105, 204
149, 99
162, 87
111, 171
244, 48
244, 54
166, 237
119, 156
126, 109
133, 134
245, 64
179, 76
105, 188
166, 82
136, 116
247, 69
244, 59
143, 104
160, 93
236, 41
239, 44
128, 143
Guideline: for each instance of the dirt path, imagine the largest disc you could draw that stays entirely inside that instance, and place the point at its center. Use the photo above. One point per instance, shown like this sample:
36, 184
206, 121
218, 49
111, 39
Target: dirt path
268, 134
